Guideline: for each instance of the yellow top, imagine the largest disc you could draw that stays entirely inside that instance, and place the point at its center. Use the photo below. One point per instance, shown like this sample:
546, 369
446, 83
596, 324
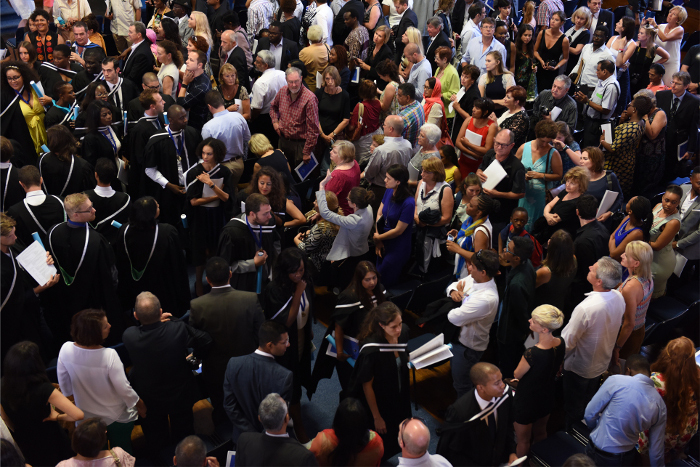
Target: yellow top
450, 174
34, 116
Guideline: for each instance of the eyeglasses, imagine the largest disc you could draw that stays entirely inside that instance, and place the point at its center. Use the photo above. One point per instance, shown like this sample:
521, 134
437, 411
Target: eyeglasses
501, 145
90, 209
13, 78
154, 87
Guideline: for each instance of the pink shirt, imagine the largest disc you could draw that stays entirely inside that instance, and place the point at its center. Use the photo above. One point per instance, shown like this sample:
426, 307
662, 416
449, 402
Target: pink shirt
341, 182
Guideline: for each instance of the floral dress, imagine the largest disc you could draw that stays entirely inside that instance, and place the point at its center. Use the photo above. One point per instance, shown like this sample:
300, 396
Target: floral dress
651, 155
621, 160
524, 75
673, 441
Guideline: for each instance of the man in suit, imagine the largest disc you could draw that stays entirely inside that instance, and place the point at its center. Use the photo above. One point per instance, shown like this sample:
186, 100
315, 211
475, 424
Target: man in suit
134, 109
161, 374
251, 377
688, 239
408, 19
436, 38
234, 55
284, 50
274, 447
232, 318
599, 17
140, 59
488, 440
681, 109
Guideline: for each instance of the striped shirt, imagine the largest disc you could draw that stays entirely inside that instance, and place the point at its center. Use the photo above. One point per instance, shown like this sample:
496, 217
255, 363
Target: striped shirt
413, 118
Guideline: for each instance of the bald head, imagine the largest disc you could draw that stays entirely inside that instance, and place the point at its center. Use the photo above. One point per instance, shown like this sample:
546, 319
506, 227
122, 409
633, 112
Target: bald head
414, 439
412, 51
177, 116
481, 373
149, 79
394, 126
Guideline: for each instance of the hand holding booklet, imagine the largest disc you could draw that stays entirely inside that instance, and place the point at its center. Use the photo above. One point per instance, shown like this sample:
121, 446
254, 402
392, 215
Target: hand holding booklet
434, 351
494, 174
33, 260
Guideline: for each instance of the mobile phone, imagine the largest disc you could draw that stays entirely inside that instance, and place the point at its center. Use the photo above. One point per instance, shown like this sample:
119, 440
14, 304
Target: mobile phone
450, 238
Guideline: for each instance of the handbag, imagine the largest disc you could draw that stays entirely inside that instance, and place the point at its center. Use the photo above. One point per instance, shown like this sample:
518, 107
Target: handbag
548, 197
360, 124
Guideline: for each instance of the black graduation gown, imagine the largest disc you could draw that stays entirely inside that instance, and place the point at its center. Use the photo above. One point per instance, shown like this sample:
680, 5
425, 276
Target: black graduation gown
161, 153
393, 402
47, 214
12, 192
94, 284
50, 74
55, 174
205, 223
96, 145
115, 208
82, 80
129, 93
134, 109
137, 136
165, 274
236, 243
55, 116
276, 301
14, 126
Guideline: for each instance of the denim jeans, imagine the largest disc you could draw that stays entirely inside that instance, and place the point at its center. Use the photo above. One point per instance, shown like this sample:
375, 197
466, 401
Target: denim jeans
463, 360
603, 459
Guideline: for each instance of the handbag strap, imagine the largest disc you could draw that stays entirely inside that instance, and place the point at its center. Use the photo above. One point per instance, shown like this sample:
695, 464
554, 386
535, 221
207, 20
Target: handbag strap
117, 461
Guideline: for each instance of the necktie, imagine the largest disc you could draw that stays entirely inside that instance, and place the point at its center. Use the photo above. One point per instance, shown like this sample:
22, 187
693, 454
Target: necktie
491, 419
674, 107
117, 100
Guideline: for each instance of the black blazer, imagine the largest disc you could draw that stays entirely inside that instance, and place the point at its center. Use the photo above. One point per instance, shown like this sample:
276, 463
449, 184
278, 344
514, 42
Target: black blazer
340, 32
471, 443
408, 19
440, 40
138, 63
290, 51
607, 19
684, 124
261, 449
458, 13
237, 59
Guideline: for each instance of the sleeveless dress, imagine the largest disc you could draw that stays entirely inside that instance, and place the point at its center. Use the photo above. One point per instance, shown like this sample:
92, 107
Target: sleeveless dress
34, 118
535, 199
622, 159
674, 51
545, 78
651, 154
634, 341
664, 259
524, 76
620, 235
639, 69
394, 106
623, 78
468, 163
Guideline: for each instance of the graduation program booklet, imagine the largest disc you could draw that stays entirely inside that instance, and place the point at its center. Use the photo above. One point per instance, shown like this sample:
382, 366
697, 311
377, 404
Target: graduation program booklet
209, 192
430, 353
351, 346
606, 203
303, 170
494, 174
33, 260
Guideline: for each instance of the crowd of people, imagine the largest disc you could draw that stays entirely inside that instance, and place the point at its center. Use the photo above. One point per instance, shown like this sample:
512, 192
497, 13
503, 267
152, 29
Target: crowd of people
269, 149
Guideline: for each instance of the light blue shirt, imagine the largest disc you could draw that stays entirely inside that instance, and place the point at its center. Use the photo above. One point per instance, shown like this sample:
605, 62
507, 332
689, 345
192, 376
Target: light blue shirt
623, 407
476, 55
420, 72
232, 129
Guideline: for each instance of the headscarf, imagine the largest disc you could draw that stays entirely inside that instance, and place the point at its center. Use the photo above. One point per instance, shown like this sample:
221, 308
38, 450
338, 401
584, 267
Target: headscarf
435, 98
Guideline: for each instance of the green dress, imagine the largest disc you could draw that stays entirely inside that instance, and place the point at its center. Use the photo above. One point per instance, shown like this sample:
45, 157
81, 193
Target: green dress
524, 75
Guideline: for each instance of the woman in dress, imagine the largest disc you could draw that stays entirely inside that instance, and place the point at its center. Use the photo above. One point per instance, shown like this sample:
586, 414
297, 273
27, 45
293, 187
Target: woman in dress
374, 18
380, 380
433, 107
288, 299
89, 439
578, 35
644, 54
448, 156
622, 46
345, 175
551, 51
557, 272
651, 153
318, 241
160, 8
29, 403
675, 376
479, 123
61, 170
101, 140
515, 117
497, 79
170, 61
664, 227
463, 101
368, 125
348, 442
27, 54
270, 157
42, 39
447, 75
231, 90
636, 290
628, 133
593, 160
475, 234
95, 377
535, 374
392, 238
522, 61
428, 138
338, 57
669, 36
568, 148
208, 207
635, 226
469, 188
333, 112
543, 165
388, 72
560, 213
379, 52
22, 109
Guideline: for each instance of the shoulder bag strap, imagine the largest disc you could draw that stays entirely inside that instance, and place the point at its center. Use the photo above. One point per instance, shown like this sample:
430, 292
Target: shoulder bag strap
117, 461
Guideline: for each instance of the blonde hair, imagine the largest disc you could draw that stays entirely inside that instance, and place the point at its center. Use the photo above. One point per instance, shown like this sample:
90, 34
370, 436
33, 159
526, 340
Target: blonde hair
642, 252
315, 33
346, 150
682, 14
6, 224
584, 12
579, 175
528, 11
73, 202
334, 206
259, 144
490, 78
650, 45
227, 68
548, 316
201, 27
414, 37
435, 166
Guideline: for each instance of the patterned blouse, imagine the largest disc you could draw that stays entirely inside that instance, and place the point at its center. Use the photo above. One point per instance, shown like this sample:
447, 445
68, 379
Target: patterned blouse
318, 241
358, 43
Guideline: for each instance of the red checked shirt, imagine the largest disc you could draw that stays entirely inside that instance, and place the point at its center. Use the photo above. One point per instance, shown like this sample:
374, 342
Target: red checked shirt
299, 119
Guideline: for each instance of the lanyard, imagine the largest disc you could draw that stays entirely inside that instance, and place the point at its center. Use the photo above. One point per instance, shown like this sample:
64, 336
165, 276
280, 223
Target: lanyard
19, 94
180, 150
14, 279
136, 274
7, 184
257, 242
67, 278
110, 139
65, 109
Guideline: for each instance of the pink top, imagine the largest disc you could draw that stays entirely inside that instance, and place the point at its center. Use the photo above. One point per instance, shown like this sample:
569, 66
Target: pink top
661, 87
341, 182
126, 460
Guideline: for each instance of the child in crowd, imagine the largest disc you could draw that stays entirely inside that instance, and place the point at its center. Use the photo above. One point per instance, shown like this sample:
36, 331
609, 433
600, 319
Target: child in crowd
516, 228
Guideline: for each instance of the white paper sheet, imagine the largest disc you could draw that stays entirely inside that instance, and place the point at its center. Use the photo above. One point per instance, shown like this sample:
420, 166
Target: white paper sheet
122, 171
494, 173
240, 105
430, 353
208, 192
680, 264
460, 94
319, 80
607, 130
33, 260
554, 114
608, 200
473, 138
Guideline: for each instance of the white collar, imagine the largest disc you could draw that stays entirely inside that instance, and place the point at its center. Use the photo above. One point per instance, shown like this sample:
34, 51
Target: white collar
285, 435
422, 460
104, 191
5, 165
222, 287
31, 194
483, 403
264, 354
136, 44
112, 86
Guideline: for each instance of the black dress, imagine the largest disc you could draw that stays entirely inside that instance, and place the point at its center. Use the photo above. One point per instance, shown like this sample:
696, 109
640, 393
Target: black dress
535, 395
467, 104
277, 161
332, 109
555, 292
545, 78
583, 37
372, 60
639, 70
566, 210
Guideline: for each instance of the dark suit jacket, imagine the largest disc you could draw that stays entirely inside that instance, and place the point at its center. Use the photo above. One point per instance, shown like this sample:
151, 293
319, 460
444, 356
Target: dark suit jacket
607, 19
517, 304
408, 19
458, 16
249, 379
689, 235
471, 443
683, 125
440, 40
237, 59
340, 32
160, 371
290, 51
261, 449
138, 63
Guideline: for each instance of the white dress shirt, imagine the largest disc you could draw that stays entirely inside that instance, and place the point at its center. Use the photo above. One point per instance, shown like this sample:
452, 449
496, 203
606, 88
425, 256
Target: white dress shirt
324, 18
266, 88
476, 313
483, 403
426, 460
230, 128
591, 58
276, 50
